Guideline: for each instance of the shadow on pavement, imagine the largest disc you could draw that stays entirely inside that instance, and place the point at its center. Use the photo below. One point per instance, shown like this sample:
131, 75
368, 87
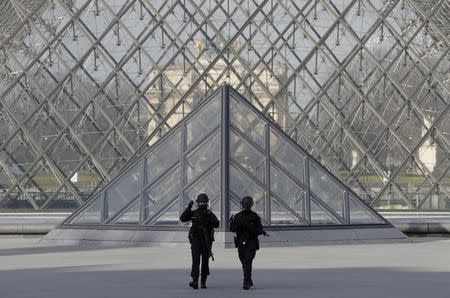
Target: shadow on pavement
329, 282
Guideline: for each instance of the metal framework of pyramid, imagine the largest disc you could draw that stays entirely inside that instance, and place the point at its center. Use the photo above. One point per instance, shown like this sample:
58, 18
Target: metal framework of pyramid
86, 85
227, 149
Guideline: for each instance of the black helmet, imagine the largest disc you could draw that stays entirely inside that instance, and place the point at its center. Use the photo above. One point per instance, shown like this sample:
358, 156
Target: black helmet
202, 198
247, 202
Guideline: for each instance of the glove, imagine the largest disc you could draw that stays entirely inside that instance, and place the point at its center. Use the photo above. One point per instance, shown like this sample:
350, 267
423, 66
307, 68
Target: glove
191, 203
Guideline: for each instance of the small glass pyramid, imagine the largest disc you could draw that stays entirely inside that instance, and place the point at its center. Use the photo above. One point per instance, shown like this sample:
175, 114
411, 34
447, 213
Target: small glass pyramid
227, 149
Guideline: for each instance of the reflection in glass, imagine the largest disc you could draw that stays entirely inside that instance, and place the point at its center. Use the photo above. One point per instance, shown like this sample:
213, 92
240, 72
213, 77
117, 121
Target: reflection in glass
123, 190
203, 121
163, 156
284, 187
202, 158
319, 216
131, 216
91, 215
241, 185
280, 215
288, 157
162, 194
326, 189
360, 214
259, 206
247, 156
234, 204
288, 192
170, 216
247, 121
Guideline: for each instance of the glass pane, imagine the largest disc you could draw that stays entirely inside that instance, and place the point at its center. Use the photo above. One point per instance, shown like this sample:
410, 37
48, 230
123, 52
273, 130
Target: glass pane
359, 214
163, 156
288, 157
90, 215
259, 207
321, 217
209, 184
247, 156
215, 204
203, 121
284, 187
124, 190
131, 216
203, 157
163, 193
170, 216
280, 215
290, 193
242, 185
326, 189
234, 205
247, 121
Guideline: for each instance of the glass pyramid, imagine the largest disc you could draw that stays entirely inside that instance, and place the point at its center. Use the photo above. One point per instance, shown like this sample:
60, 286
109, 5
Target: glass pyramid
227, 149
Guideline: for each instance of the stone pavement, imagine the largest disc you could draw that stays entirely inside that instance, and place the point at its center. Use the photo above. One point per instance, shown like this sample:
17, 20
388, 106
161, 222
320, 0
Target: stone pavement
418, 269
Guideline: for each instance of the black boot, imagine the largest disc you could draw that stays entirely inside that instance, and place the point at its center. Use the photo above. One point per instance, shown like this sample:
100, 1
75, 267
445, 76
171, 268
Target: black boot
203, 282
194, 283
250, 282
246, 285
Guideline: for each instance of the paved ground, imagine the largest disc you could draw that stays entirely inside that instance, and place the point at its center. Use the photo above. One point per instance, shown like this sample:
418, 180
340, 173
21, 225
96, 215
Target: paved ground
419, 269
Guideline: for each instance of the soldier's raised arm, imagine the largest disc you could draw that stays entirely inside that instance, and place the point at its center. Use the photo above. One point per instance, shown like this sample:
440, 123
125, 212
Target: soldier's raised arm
187, 213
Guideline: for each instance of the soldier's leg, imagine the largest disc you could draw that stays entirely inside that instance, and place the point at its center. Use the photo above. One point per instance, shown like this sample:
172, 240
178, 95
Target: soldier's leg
251, 256
247, 265
205, 260
205, 265
241, 254
196, 253
242, 258
245, 256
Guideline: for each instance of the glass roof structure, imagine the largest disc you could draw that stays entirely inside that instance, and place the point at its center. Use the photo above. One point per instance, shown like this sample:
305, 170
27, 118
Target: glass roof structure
227, 149
87, 85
